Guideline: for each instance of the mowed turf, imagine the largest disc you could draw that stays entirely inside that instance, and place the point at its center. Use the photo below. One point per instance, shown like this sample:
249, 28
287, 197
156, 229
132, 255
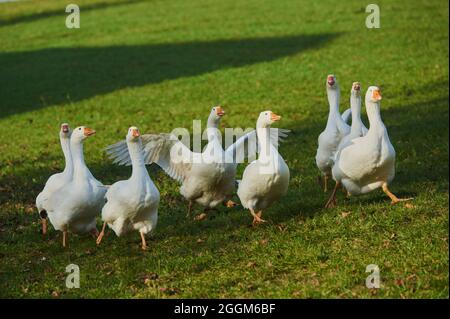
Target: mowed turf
159, 65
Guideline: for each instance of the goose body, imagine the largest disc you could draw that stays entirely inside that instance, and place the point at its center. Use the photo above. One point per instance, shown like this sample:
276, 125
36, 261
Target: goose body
56, 181
258, 191
210, 180
74, 207
132, 204
266, 179
335, 130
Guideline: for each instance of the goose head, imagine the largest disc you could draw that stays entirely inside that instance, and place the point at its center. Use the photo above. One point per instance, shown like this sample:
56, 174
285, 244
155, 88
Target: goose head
133, 134
373, 94
216, 114
332, 82
267, 118
80, 133
356, 89
64, 133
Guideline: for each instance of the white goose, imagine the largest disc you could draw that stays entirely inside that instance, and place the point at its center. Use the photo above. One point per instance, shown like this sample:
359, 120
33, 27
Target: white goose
132, 204
205, 177
368, 162
335, 130
266, 179
56, 181
75, 206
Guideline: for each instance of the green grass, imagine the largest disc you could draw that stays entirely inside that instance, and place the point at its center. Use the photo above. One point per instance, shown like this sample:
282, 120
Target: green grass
160, 64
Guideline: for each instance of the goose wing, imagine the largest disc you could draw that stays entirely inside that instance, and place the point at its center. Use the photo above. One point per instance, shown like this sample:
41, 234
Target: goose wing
166, 150
237, 152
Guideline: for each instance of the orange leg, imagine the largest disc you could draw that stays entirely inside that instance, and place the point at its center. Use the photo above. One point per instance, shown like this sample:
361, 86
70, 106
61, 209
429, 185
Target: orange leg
64, 238
44, 226
102, 233
144, 243
394, 199
325, 184
332, 200
256, 217
189, 209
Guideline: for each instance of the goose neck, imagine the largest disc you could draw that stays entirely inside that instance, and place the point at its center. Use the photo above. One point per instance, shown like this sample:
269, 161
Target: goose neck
374, 116
212, 129
263, 134
212, 122
79, 166
137, 159
333, 101
65, 145
355, 103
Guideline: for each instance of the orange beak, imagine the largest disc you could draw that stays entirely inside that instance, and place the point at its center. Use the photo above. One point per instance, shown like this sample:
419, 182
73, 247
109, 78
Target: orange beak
376, 95
274, 117
136, 133
88, 131
220, 111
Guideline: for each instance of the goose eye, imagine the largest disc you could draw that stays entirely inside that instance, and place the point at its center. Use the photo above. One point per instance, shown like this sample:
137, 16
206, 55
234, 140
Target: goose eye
79, 129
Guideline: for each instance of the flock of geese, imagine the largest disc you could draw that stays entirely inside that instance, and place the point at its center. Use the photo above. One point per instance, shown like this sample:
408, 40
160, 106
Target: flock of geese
358, 159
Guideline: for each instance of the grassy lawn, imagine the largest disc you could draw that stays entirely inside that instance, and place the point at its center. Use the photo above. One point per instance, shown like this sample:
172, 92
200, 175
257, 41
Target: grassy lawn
158, 65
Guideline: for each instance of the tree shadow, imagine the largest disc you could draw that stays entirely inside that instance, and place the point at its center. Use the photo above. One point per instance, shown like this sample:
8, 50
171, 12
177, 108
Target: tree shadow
34, 79
61, 12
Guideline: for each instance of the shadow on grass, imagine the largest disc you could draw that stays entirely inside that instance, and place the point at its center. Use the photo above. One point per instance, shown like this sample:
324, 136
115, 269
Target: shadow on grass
62, 13
34, 79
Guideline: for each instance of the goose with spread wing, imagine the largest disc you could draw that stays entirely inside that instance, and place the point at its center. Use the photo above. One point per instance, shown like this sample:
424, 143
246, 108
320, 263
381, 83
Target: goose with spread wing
132, 204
